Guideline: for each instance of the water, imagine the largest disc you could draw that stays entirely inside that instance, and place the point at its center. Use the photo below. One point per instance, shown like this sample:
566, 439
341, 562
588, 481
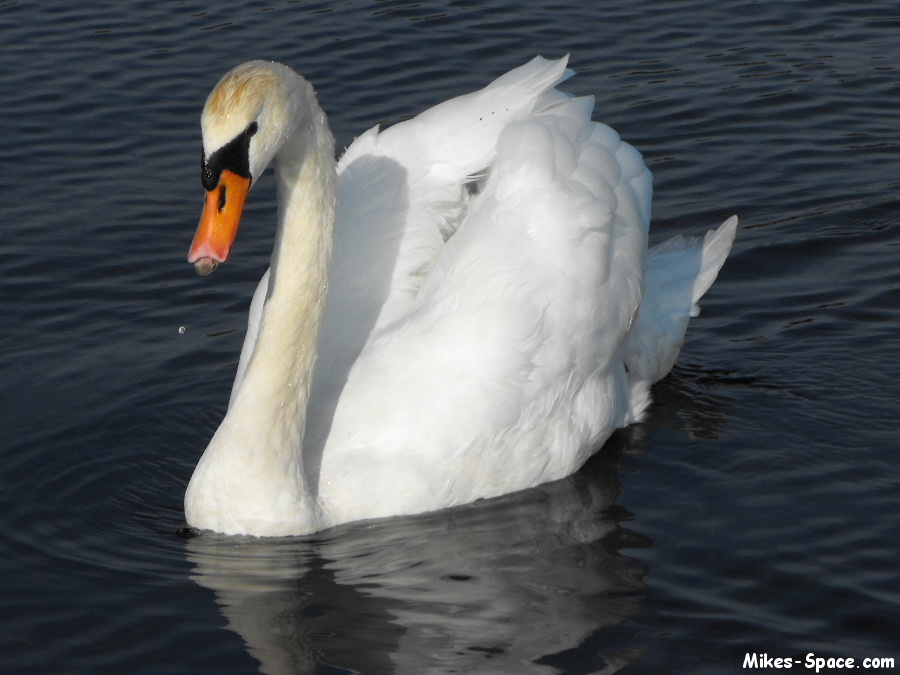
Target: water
755, 510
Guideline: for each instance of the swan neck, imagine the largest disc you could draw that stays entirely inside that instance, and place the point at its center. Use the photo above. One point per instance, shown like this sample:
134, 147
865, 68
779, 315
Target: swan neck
285, 354
298, 283
258, 445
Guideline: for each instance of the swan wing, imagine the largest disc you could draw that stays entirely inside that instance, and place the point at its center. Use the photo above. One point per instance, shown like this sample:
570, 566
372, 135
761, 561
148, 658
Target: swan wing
403, 192
506, 369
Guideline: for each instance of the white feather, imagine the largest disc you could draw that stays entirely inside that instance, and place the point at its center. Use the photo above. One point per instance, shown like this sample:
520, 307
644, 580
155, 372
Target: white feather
473, 344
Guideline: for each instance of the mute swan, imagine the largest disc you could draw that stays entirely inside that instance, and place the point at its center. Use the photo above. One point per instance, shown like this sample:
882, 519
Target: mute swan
479, 326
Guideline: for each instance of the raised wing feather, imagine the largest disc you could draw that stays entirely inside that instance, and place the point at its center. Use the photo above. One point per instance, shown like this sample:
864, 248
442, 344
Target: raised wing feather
511, 349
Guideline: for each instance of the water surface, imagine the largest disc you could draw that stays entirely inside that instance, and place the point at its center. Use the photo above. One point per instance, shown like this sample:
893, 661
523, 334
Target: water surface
754, 511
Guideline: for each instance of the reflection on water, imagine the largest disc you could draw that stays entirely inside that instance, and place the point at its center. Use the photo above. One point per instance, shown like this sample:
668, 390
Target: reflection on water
765, 473
506, 584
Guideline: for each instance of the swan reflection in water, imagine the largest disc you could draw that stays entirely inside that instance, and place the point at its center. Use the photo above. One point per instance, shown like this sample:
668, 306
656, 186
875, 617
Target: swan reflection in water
507, 585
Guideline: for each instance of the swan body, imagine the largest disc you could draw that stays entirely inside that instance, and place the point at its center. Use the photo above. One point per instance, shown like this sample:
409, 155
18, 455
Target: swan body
463, 306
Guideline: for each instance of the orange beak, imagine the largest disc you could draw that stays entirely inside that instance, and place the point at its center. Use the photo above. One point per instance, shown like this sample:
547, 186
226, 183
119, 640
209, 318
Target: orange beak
219, 222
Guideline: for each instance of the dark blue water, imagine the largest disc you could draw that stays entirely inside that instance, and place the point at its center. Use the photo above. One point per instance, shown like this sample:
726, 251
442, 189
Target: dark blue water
756, 511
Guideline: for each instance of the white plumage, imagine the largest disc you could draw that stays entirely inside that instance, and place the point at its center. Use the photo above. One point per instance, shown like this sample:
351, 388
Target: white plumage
484, 329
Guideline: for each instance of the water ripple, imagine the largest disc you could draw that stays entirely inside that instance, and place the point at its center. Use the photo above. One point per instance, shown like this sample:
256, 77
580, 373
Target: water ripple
760, 494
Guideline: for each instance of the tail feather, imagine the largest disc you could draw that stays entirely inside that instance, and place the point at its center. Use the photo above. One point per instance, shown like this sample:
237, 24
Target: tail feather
679, 271
716, 247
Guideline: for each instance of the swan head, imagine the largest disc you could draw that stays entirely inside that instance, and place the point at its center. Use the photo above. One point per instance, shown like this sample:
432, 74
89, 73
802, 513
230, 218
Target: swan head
247, 119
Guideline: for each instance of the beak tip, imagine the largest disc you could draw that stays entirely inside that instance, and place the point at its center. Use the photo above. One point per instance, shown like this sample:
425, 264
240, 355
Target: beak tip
205, 266
219, 223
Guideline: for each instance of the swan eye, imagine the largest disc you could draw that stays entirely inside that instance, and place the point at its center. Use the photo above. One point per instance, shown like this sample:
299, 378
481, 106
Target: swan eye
234, 156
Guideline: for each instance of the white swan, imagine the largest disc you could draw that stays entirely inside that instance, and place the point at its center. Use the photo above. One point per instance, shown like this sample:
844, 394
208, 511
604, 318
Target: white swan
479, 328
